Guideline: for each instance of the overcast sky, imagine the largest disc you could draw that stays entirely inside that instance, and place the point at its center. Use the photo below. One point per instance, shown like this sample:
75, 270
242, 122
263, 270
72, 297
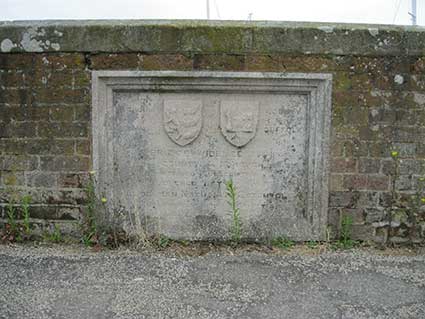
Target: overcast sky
357, 11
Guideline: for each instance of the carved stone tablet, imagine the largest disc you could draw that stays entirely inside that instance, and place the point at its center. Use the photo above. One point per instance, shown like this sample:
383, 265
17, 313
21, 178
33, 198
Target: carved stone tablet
165, 143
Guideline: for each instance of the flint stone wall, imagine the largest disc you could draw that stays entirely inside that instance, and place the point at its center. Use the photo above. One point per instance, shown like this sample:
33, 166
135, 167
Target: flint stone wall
378, 105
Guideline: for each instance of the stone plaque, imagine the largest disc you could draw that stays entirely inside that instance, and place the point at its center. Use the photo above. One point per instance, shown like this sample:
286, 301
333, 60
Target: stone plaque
165, 143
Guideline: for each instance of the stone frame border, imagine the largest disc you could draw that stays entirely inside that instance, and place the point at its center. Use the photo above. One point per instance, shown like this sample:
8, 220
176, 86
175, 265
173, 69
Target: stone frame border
317, 86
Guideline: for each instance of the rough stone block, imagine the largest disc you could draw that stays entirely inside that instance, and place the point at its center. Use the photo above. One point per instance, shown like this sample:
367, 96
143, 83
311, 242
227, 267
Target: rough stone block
41, 179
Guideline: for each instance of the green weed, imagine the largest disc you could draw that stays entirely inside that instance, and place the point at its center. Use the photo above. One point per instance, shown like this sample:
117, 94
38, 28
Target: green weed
312, 244
282, 242
89, 226
55, 236
164, 241
345, 241
236, 225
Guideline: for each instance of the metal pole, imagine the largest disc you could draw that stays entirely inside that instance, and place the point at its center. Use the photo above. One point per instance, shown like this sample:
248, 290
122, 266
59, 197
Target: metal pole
208, 9
414, 12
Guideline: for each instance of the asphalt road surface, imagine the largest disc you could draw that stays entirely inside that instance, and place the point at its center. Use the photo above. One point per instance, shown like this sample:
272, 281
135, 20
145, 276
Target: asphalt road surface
60, 282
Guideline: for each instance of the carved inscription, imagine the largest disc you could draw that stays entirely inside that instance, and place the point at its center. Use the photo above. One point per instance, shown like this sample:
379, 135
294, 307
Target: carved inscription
238, 121
182, 120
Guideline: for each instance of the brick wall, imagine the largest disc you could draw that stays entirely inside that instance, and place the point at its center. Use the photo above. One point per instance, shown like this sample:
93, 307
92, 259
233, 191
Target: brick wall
378, 107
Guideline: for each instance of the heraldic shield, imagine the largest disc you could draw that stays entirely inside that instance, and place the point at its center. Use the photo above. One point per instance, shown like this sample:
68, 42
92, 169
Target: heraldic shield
238, 121
182, 120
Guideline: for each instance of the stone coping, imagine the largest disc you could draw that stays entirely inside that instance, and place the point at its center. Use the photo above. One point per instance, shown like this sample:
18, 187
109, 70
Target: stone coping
215, 37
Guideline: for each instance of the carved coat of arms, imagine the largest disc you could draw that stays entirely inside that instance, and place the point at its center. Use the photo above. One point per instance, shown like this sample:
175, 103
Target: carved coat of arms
238, 121
182, 120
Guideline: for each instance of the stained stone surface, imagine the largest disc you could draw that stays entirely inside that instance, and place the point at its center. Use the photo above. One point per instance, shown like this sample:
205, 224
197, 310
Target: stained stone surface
165, 143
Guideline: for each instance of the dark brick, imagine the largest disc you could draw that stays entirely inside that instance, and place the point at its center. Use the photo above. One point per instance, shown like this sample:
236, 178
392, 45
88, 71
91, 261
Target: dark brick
72, 180
81, 79
62, 114
355, 182
334, 218
53, 80
62, 129
378, 132
403, 183
355, 148
343, 199
83, 147
44, 212
60, 61
336, 182
337, 149
224, 62
14, 97
13, 178
408, 134
115, 61
15, 79
18, 163
288, 63
64, 163
405, 149
363, 232
42, 97
38, 147
16, 61
53, 212
82, 113
385, 199
405, 117
166, 62
382, 115
420, 149
18, 129
408, 166
389, 167
24, 114
369, 165
379, 183
343, 165
380, 149
374, 215
357, 214
368, 199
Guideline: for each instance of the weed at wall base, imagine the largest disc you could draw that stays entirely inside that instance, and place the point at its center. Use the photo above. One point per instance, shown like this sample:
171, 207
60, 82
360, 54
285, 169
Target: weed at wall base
345, 241
236, 222
15, 230
282, 242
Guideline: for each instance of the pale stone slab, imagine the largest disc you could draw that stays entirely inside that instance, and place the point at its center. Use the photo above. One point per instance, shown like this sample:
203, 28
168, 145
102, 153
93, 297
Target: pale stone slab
165, 143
